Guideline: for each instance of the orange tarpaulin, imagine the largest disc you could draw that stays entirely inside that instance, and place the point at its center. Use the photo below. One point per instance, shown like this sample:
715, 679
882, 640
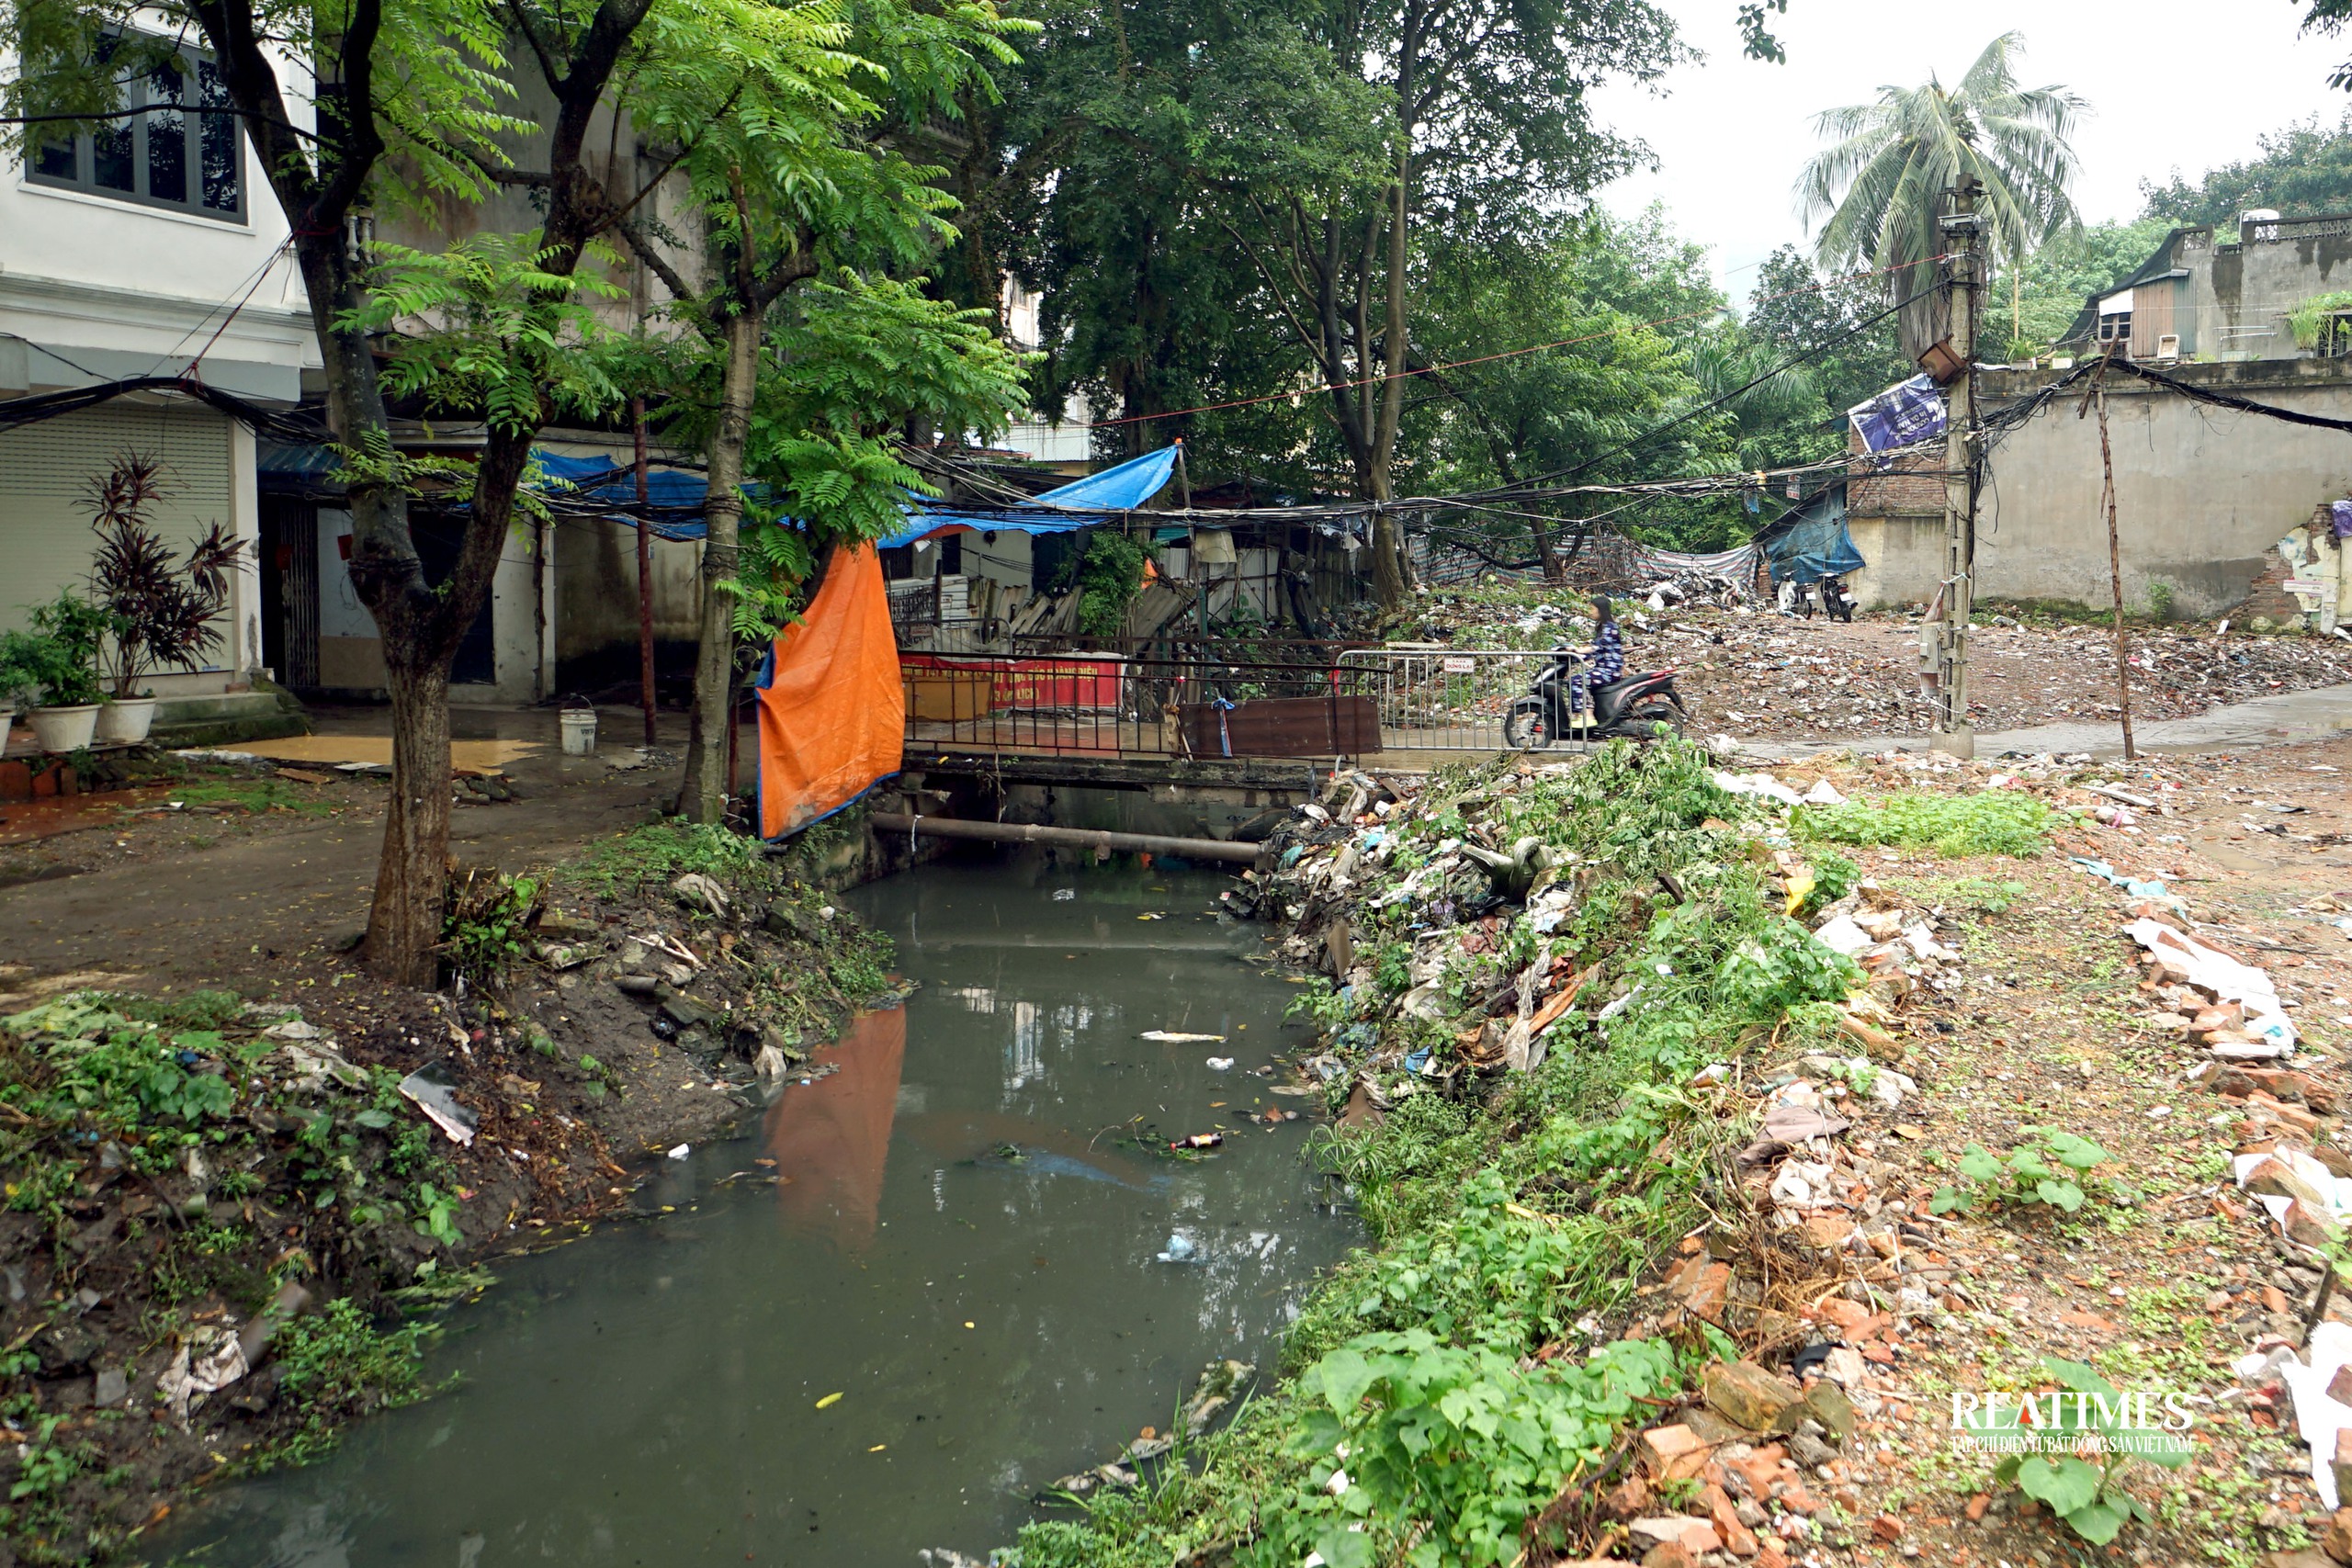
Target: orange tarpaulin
832, 713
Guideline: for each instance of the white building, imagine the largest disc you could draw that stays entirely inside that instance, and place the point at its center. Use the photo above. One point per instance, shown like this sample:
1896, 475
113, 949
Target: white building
151, 248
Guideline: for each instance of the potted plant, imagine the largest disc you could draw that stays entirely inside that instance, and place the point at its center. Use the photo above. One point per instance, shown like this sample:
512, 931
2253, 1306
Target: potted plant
58, 659
163, 610
19, 689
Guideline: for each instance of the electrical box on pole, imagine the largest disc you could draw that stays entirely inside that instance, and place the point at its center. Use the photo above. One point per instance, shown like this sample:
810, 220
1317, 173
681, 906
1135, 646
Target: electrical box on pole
1963, 281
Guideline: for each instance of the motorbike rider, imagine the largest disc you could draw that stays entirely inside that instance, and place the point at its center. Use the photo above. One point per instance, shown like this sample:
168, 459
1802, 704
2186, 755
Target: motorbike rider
1608, 660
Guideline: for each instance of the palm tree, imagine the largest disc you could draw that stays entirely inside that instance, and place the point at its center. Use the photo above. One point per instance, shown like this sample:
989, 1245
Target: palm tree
1883, 180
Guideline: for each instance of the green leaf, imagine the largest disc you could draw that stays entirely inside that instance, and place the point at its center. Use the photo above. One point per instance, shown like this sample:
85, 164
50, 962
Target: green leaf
1979, 1166
2075, 1375
2065, 1485
2077, 1152
1343, 1548
2096, 1522
2058, 1194
373, 1119
1344, 1376
1946, 1200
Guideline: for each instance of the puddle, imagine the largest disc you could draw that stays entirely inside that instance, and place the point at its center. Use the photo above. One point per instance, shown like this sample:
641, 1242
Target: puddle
959, 1243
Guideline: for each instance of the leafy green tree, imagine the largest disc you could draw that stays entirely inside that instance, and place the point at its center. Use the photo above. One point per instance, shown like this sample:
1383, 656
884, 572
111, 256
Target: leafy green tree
420, 118
777, 116
1880, 187
2301, 171
2327, 17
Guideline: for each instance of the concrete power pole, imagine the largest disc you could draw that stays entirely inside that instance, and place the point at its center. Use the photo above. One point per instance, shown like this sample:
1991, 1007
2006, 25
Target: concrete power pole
1962, 444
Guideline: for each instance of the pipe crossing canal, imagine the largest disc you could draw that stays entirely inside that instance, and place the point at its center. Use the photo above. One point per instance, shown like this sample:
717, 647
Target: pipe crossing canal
955, 1237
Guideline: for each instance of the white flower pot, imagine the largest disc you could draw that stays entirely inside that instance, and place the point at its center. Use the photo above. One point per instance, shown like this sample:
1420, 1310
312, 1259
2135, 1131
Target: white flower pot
126, 720
63, 729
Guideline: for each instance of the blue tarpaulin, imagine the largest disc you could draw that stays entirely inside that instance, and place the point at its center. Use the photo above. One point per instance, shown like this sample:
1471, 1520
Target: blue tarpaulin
1081, 503
1812, 543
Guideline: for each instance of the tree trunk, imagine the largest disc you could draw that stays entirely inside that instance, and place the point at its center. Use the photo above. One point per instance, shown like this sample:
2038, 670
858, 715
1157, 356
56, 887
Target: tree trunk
413, 872
704, 797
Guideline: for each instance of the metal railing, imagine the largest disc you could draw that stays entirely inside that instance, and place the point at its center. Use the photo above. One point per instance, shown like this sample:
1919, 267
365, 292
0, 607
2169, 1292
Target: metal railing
1113, 703
1319, 701
1442, 699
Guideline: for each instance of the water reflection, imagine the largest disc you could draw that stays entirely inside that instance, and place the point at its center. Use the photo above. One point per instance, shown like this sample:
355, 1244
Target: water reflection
968, 1252
831, 1141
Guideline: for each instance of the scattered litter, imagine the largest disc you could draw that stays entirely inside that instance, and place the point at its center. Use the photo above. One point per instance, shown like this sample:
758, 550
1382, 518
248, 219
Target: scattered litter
1170, 1037
208, 1360
1761, 784
1220, 1064
1200, 1141
681, 1151
1064, 895
1824, 792
2184, 960
1180, 1248
434, 1091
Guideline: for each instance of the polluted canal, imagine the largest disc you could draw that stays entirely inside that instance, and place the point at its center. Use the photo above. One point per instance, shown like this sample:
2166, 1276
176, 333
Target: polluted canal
957, 1268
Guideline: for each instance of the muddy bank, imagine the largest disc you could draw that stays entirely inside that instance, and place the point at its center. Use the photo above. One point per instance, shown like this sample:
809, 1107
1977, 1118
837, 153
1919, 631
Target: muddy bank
227, 1213
911, 1298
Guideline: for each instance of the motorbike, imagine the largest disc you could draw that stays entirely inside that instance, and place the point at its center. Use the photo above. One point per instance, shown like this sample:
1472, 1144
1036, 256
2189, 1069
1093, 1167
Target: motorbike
1836, 599
1635, 707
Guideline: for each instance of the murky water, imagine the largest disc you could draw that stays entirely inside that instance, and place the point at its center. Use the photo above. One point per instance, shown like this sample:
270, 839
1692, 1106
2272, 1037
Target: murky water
964, 1253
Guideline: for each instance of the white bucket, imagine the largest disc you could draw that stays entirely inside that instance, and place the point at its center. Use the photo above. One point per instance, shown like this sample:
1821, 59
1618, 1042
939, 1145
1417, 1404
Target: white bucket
63, 729
579, 731
126, 720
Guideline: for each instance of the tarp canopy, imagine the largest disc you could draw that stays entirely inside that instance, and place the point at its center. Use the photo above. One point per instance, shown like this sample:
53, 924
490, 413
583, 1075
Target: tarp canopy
832, 709
1080, 505
1812, 543
603, 481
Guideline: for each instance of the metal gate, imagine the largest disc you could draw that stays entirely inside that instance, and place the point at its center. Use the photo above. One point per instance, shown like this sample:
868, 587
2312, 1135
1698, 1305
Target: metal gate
1440, 699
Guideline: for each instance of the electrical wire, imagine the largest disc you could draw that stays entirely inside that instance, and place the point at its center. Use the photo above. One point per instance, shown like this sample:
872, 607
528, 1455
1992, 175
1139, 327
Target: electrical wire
1508, 353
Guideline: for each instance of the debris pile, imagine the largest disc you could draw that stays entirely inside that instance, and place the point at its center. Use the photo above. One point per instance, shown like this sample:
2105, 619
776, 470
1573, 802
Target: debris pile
1758, 673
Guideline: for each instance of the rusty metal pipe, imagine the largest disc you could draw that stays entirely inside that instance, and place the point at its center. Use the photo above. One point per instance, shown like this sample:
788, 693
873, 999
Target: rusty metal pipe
1070, 838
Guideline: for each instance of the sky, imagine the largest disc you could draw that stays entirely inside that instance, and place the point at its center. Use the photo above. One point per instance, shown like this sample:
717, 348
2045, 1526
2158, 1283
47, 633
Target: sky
2171, 84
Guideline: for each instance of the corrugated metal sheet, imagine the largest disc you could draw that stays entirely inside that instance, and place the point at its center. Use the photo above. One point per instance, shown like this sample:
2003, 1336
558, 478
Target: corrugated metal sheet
46, 469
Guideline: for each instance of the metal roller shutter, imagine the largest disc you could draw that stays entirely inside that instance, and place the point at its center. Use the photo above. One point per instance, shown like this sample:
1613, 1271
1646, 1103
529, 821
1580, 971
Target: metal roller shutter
46, 468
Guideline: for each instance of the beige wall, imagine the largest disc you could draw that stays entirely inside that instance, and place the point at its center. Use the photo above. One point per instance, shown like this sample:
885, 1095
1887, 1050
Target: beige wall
2203, 495
596, 577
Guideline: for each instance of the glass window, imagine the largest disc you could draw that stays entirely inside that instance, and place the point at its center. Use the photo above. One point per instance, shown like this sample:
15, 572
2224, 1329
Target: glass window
183, 151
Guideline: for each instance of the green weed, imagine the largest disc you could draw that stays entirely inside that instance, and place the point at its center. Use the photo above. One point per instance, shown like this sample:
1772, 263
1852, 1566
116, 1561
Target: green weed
1990, 822
2046, 1168
340, 1365
661, 852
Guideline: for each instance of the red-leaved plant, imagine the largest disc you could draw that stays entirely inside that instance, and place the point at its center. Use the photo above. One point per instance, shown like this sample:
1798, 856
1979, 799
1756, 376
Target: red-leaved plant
164, 608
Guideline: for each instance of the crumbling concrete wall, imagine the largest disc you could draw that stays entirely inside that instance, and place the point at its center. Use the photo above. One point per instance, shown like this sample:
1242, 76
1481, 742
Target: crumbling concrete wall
2203, 495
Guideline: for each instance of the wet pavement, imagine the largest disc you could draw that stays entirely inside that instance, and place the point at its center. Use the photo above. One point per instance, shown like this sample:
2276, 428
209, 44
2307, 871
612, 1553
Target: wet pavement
959, 1235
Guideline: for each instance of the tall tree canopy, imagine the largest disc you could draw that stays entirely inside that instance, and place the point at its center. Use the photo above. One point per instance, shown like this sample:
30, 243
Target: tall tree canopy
2301, 171
1878, 188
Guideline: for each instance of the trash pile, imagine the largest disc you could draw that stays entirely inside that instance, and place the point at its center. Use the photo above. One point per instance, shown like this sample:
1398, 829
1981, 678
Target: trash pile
1758, 673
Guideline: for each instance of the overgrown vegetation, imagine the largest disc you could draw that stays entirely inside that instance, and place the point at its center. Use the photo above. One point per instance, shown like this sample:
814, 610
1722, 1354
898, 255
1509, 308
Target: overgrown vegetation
1500, 1220
1991, 822
658, 851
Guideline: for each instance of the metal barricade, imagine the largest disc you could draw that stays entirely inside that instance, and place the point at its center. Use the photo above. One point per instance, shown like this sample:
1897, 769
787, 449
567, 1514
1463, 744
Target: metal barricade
1086, 701
1442, 699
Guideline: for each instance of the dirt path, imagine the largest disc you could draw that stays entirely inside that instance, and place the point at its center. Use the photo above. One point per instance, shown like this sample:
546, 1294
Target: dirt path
211, 916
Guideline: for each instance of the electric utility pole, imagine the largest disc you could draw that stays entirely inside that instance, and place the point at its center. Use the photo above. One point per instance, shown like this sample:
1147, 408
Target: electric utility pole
1962, 442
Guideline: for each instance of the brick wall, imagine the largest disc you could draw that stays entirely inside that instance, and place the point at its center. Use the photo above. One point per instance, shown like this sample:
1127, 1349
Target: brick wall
1912, 486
